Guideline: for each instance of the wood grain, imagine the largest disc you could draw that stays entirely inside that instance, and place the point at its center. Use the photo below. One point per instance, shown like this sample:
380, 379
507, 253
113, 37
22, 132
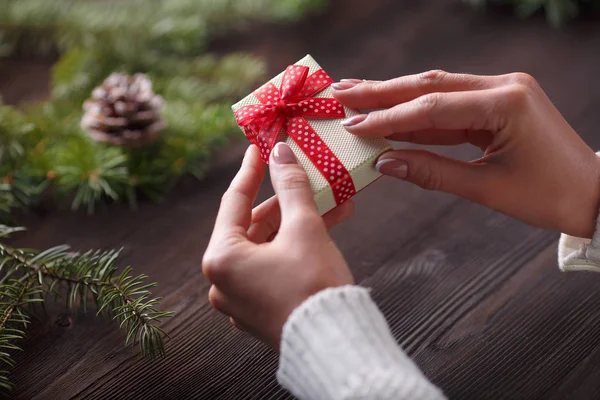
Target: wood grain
475, 297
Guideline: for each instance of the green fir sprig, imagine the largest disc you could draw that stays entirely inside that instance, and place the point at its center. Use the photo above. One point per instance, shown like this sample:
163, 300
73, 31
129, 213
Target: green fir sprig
43, 151
29, 277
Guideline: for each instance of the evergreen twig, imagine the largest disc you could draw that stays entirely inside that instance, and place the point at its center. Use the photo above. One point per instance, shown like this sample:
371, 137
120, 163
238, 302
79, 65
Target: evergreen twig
43, 145
29, 276
43, 150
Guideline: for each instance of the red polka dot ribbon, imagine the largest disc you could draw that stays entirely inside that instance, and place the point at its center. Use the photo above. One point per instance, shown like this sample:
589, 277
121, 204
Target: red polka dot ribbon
286, 108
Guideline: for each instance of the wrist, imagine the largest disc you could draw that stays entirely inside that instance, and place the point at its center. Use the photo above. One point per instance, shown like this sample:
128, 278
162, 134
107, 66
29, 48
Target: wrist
337, 344
595, 198
579, 218
298, 302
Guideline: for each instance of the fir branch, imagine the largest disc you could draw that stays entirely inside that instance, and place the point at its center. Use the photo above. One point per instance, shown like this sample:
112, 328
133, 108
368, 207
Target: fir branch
18, 192
14, 131
7, 201
43, 147
29, 275
174, 26
94, 172
14, 320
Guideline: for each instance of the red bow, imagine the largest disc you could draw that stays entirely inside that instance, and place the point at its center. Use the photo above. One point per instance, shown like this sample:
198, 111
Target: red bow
286, 108
263, 122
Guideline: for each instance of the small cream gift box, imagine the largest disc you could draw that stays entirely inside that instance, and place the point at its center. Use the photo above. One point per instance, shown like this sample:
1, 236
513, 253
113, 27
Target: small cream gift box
297, 107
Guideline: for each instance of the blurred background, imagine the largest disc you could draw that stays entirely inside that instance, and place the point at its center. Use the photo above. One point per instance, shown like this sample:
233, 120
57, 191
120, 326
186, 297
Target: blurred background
116, 131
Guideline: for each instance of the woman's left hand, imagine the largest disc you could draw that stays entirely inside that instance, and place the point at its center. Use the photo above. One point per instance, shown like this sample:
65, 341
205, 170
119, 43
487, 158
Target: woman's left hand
264, 263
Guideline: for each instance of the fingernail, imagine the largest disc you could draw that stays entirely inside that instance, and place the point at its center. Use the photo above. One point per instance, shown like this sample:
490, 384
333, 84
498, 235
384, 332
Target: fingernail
357, 81
282, 154
357, 119
344, 85
391, 167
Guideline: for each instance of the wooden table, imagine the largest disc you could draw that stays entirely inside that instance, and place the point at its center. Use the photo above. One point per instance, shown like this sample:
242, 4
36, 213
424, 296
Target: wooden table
475, 297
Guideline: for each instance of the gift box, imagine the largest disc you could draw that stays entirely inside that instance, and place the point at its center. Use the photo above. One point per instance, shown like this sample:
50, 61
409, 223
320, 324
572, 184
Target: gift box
297, 107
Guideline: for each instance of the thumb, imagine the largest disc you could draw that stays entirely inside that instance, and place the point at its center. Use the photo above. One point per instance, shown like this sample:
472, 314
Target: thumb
435, 172
291, 185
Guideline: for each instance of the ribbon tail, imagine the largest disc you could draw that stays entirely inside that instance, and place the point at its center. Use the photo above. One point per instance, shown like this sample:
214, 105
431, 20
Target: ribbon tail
267, 137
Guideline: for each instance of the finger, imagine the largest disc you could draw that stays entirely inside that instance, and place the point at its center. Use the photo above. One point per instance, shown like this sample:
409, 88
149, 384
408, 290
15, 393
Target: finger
219, 301
238, 325
483, 110
247, 329
470, 180
443, 137
339, 214
266, 219
236, 206
291, 186
384, 94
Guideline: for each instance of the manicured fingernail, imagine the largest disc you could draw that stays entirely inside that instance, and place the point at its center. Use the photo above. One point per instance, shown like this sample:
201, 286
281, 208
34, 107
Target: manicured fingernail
357, 81
357, 119
391, 167
282, 154
344, 85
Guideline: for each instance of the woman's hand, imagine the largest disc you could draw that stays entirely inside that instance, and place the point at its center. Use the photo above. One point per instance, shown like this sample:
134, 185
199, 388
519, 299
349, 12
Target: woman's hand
265, 263
266, 218
535, 167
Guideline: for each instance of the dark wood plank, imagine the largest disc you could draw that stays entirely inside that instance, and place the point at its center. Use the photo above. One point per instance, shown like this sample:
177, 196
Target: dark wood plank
474, 296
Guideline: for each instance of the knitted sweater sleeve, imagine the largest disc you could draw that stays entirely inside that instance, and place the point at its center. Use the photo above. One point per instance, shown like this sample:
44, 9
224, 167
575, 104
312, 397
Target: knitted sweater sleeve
577, 254
337, 345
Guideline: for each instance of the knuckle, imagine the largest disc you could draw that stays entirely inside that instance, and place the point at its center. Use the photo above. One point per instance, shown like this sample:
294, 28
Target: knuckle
383, 121
380, 116
425, 107
214, 266
517, 95
382, 92
380, 88
431, 77
294, 178
428, 176
214, 298
429, 102
524, 79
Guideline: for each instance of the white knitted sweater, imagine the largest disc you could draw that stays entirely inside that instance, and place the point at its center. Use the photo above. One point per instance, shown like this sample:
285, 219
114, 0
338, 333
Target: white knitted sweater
337, 344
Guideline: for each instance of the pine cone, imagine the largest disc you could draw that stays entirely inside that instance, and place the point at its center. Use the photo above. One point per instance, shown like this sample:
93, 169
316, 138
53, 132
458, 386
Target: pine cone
124, 111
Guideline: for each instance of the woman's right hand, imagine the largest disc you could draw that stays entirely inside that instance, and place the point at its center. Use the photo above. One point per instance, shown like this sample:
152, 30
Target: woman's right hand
534, 165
